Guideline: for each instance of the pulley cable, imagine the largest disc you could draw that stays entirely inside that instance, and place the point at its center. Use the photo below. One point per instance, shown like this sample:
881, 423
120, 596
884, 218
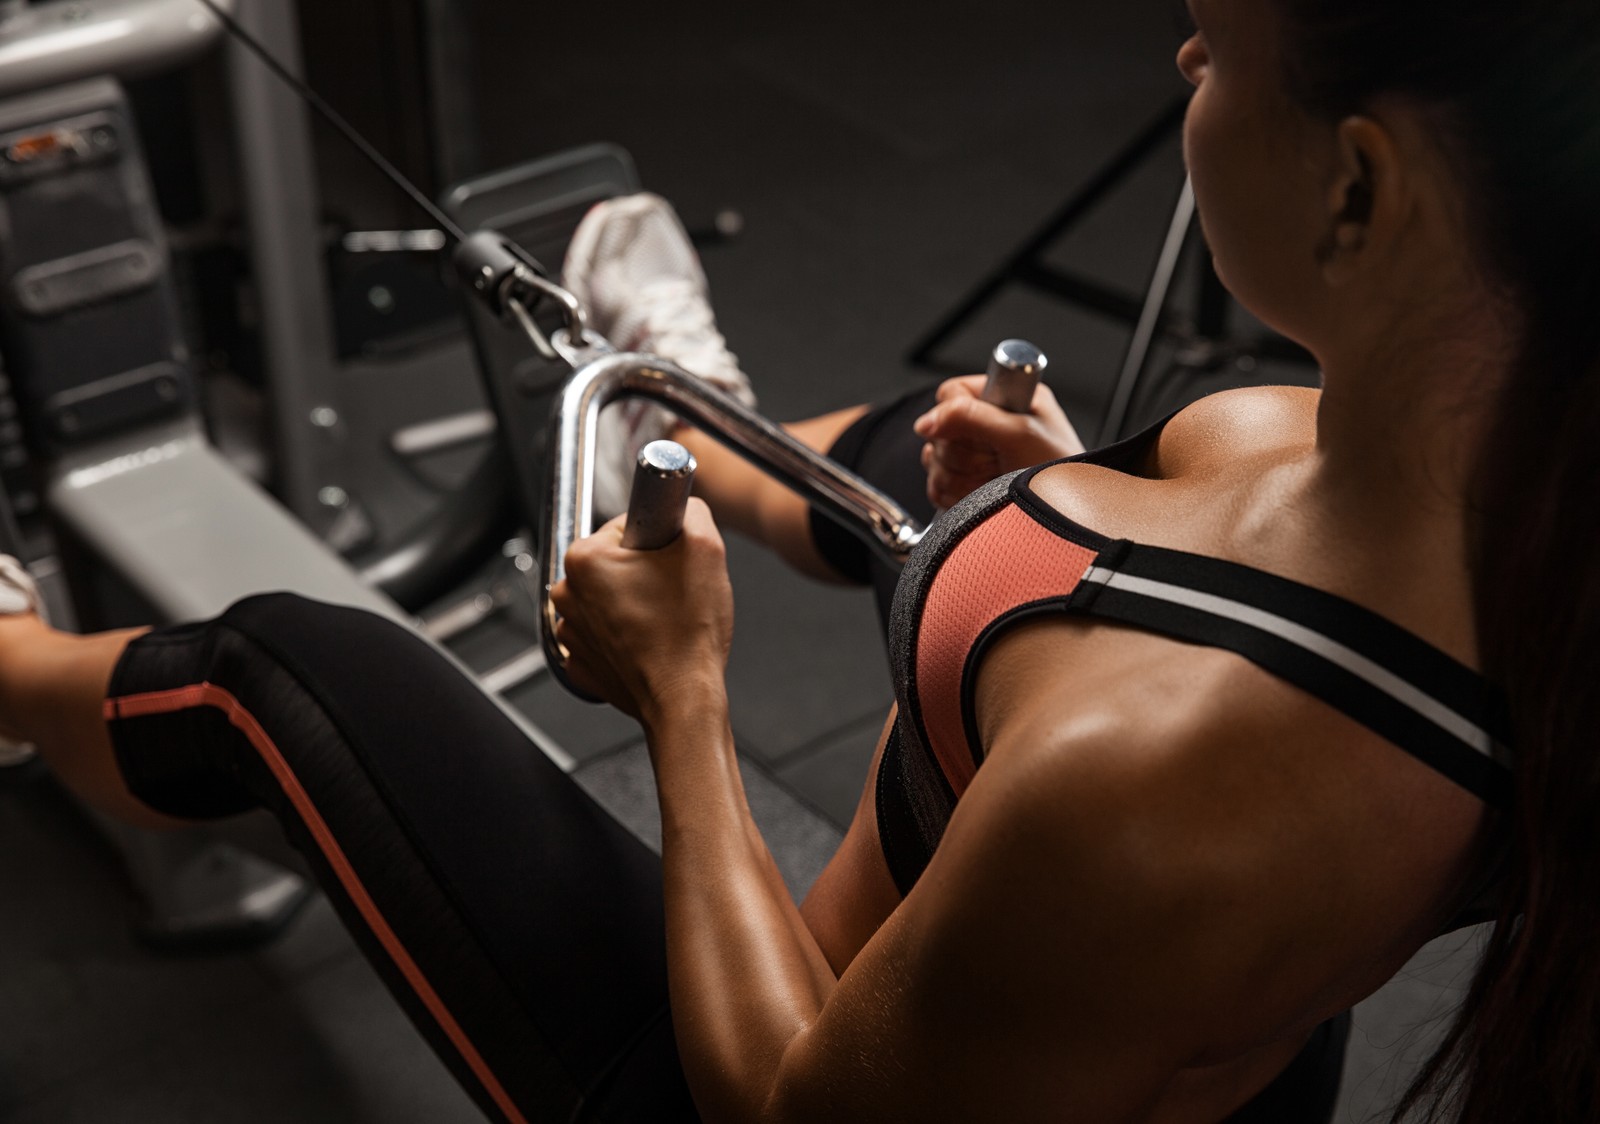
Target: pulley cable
336, 119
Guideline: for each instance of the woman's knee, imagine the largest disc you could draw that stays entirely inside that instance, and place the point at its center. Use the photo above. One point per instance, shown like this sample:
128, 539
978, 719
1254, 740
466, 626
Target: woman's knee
202, 716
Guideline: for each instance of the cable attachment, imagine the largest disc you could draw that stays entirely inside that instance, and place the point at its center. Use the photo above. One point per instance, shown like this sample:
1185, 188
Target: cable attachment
510, 282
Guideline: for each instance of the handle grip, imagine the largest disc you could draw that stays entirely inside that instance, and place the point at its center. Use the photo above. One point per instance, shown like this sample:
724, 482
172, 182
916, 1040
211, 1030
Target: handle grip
662, 479
1014, 371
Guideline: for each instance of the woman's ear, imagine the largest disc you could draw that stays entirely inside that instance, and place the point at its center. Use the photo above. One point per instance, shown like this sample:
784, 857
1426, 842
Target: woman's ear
1365, 200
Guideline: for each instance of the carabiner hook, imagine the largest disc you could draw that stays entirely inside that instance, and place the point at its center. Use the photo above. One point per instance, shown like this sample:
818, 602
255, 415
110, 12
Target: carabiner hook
577, 318
574, 344
510, 284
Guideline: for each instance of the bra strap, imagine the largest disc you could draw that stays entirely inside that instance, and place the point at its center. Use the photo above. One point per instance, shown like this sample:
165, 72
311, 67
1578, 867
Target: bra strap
1382, 676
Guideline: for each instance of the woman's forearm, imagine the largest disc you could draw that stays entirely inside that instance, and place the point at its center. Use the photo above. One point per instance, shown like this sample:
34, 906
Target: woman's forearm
745, 974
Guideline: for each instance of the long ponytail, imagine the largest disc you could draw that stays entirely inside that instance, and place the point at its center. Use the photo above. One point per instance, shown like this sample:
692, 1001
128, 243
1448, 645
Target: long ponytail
1526, 1043
1517, 83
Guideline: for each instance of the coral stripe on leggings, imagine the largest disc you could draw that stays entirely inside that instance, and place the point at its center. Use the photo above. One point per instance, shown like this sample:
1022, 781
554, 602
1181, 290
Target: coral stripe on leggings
517, 923
209, 694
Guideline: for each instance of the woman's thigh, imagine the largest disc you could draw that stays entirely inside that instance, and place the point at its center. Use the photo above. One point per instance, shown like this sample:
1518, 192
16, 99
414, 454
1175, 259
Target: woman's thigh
519, 925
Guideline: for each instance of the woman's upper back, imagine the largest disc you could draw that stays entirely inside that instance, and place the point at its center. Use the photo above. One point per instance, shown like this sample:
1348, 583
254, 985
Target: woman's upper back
1240, 784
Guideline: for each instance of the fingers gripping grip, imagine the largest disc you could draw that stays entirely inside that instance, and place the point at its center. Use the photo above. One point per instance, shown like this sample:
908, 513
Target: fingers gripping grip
662, 478
1014, 371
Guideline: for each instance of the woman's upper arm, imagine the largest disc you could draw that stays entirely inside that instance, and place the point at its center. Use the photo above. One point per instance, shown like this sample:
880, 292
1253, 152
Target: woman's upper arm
1049, 965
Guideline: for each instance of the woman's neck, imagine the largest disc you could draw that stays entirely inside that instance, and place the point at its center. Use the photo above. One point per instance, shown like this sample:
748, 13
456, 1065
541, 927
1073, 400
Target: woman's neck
1402, 420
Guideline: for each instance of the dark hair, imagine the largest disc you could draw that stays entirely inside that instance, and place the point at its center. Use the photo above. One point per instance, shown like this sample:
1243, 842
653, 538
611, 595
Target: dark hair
1515, 86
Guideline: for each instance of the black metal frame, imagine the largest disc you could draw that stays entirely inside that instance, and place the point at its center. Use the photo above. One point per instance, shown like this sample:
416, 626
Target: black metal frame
1207, 339
1027, 266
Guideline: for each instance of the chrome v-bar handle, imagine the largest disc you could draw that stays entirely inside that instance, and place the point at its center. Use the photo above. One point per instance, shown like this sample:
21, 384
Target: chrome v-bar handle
603, 376
509, 283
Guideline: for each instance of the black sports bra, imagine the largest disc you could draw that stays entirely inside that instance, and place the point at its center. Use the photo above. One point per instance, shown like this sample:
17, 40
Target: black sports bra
1002, 556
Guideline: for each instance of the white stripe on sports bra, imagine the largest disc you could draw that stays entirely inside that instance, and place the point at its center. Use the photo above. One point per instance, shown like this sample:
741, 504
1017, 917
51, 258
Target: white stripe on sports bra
1350, 660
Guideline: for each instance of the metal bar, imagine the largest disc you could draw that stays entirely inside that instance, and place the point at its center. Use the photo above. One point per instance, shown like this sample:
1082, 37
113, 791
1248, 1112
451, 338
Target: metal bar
603, 377
445, 625
447, 68
44, 45
663, 477
443, 433
516, 671
281, 205
1074, 209
1145, 333
1015, 368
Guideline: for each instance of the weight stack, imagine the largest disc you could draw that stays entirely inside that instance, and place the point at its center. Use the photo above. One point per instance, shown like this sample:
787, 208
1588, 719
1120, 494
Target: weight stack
90, 334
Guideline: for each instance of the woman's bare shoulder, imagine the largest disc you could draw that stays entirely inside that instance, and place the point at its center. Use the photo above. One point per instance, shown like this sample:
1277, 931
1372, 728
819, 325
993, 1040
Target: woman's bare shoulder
1209, 451
1221, 428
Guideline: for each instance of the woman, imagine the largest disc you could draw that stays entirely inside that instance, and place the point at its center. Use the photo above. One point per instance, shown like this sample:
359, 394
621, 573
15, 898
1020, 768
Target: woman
1228, 687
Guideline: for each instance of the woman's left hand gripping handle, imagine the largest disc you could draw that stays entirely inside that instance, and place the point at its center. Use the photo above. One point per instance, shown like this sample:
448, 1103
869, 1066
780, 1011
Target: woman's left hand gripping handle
644, 627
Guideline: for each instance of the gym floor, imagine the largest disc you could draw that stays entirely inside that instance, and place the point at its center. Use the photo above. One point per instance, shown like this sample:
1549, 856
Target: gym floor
883, 163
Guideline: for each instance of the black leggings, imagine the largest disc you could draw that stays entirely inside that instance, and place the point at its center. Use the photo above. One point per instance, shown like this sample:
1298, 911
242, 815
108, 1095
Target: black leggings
518, 924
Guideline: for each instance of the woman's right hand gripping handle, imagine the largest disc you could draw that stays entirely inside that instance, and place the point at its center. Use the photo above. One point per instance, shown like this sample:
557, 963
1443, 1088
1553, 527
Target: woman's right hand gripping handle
969, 441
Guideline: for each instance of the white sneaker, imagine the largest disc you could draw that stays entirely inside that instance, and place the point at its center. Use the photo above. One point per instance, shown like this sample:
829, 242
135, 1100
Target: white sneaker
18, 594
634, 269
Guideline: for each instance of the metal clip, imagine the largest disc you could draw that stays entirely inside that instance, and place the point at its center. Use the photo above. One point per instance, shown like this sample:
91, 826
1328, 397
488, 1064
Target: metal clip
524, 283
510, 284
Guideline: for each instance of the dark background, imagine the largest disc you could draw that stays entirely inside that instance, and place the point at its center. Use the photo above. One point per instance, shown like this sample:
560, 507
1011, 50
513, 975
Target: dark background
884, 158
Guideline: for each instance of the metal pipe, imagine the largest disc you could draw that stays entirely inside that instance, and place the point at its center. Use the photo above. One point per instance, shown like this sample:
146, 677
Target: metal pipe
1015, 367
283, 214
1144, 334
43, 45
663, 476
603, 377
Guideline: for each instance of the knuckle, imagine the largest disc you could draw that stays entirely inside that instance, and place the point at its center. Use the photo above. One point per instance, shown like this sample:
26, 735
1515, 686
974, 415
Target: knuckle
703, 547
